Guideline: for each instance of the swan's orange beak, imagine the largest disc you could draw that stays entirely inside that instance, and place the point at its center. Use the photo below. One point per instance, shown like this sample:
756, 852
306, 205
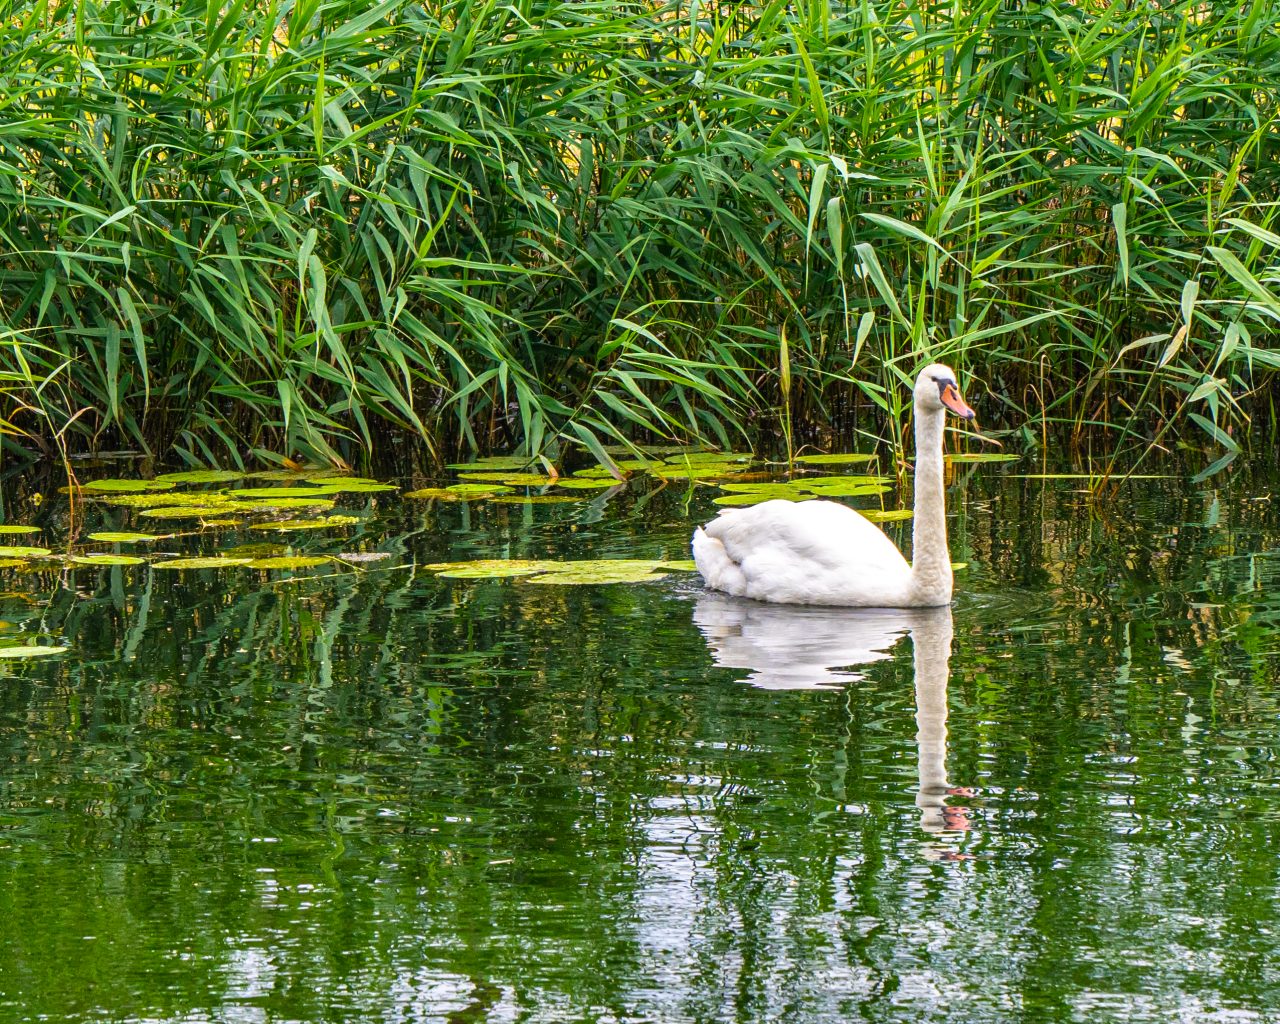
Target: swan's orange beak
950, 396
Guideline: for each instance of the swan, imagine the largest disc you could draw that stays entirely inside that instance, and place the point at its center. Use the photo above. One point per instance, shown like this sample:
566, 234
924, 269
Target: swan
825, 553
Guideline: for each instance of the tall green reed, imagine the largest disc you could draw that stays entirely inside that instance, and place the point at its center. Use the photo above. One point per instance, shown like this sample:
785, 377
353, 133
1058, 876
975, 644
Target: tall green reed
235, 230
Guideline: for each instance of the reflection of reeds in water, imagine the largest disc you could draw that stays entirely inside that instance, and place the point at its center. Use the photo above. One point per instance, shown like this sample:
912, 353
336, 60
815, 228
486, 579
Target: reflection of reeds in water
804, 648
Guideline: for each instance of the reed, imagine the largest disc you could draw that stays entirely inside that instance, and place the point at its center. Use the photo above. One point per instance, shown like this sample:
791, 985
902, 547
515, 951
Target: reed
241, 230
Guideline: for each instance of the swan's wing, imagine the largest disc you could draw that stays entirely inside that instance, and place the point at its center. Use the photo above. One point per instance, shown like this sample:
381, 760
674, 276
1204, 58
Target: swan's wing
809, 552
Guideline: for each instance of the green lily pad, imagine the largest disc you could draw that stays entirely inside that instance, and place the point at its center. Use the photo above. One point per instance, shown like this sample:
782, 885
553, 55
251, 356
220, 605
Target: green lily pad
357, 485
124, 538
308, 524
510, 479
202, 476
851, 490
835, 459
213, 562
755, 498
13, 563
482, 568
590, 574
495, 462
702, 471
126, 486
289, 562
18, 529
245, 493
886, 515
200, 498
21, 552
30, 651
599, 473
106, 560
191, 512
982, 457
277, 504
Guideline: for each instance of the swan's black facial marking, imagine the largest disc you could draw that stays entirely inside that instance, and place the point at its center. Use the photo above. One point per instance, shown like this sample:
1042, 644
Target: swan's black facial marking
943, 383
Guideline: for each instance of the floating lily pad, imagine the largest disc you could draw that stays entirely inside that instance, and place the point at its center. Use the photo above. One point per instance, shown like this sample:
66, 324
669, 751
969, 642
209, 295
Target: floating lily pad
599, 473
127, 486
495, 567
588, 573
681, 565
289, 562
244, 494
699, 458
849, 490
495, 462
836, 458
191, 512
357, 485
479, 573
255, 549
982, 457
308, 524
213, 562
12, 563
30, 651
278, 504
510, 479
202, 476
124, 538
206, 524
106, 560
957, 566
200, 498
886, 515
21, 552
18, 529
755, 498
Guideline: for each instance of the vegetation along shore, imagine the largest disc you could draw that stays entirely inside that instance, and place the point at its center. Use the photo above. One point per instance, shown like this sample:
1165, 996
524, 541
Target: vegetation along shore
240, 229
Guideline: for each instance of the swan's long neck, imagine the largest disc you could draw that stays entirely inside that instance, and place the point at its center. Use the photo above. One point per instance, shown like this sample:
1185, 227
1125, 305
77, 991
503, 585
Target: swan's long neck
930, 559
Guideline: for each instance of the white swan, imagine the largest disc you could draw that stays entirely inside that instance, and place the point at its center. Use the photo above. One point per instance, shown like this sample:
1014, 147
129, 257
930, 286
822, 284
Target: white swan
823, 552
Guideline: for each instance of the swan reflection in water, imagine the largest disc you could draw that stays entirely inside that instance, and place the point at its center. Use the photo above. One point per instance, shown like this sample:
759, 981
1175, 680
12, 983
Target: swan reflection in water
795, 647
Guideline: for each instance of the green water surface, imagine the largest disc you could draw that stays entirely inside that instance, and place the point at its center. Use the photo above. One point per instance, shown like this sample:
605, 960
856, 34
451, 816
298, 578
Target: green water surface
380, 795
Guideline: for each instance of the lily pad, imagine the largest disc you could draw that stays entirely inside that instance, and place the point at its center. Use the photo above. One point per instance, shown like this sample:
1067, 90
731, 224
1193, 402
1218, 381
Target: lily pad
982, 457
357, 485
202, 476
289, 562
124, 538
886, 515
490, 567
276, 504
836, 458
308, 524
4, 528
701, 471
246, 493
850, 490
698, 458
755, 498
30, 651
510, 479
588, 573
127, 486
21, 552
13, 563
213, 562
191, 512
200, 498
592, 571
106, 560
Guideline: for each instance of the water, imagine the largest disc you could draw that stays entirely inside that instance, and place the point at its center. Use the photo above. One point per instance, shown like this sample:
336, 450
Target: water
392, 797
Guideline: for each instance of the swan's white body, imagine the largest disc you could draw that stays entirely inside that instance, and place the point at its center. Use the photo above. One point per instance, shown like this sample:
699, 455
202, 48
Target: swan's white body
825, 553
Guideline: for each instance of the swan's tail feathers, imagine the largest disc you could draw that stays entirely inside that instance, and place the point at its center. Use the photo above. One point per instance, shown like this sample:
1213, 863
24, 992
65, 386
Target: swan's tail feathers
718, 570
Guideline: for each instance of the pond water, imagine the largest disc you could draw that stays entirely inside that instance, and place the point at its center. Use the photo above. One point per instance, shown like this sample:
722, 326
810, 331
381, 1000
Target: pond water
377, 794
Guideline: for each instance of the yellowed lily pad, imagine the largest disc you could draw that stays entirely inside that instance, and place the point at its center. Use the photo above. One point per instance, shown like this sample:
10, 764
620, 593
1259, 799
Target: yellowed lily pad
592, 571
122, 537
982, 457
202, 476
886, 515
22, 552
106, 560
127, 486
213, 562
289, 562
479, 568
13, 563
14, 528
30, 651
597, 574
510, 479
191, 511
200, 498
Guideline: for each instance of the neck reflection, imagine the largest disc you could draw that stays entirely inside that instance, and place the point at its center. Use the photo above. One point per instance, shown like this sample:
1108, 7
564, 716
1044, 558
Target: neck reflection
789, 647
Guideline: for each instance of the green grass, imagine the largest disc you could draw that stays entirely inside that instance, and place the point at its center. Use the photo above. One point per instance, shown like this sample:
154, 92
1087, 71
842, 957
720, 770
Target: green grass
235, 230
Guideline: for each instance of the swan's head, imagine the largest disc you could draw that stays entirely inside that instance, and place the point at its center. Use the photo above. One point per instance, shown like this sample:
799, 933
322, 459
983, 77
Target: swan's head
936, 390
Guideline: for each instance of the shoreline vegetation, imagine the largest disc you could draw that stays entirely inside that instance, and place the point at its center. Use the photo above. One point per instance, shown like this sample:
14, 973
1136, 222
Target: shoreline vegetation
241, 231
